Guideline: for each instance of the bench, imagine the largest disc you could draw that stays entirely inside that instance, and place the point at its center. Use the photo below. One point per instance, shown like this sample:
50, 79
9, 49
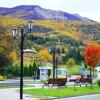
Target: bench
55, 81
83, 81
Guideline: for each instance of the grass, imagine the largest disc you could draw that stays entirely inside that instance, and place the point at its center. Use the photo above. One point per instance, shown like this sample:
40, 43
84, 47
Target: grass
64, 92
13, 86
1, 87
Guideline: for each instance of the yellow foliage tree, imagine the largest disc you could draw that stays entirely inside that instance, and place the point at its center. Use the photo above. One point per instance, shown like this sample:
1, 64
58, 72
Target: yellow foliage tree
32, 48
44, 55
13, 56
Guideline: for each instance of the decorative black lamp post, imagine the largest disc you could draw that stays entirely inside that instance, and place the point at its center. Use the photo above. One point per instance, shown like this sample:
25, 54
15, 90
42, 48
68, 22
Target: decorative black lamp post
14, 32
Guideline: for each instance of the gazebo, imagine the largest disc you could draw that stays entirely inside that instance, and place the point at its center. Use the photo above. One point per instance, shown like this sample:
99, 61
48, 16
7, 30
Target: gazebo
29, 55
29, 51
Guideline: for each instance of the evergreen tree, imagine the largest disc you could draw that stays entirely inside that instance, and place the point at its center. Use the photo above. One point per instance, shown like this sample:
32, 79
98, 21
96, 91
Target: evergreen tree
75, 54
30, 72
79, 57
26, 70
34, 68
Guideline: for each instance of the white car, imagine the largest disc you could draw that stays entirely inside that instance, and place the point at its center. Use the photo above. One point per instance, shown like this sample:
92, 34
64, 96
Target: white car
74, 78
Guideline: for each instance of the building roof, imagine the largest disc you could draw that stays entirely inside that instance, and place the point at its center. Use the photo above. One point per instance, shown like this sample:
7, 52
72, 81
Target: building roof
46, 67
29, 51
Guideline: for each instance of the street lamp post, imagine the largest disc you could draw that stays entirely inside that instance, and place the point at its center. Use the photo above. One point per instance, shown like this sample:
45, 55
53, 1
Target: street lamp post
14, 31
21, 69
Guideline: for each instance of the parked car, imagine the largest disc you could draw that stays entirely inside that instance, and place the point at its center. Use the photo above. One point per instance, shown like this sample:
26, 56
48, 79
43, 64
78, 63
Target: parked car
74, 78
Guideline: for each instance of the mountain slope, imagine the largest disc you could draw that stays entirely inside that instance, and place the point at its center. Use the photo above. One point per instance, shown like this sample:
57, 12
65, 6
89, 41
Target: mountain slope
35, 12
47, 32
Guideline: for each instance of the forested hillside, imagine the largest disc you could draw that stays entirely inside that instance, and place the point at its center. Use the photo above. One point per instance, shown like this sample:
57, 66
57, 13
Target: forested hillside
46, 33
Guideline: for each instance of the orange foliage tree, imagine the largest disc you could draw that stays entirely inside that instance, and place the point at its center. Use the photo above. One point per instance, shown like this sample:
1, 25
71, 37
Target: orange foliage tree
92, 55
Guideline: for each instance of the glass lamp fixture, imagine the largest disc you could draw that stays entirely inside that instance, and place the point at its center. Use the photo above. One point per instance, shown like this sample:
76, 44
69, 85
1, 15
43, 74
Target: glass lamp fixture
30, 25
14, 32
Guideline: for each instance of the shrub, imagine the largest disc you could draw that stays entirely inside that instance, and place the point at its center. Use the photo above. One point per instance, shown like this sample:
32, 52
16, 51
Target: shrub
1, 78
49, 72
98, 82
9, 76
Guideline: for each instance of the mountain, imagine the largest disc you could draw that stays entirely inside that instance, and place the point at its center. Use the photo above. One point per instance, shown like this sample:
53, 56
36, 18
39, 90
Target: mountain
35, 12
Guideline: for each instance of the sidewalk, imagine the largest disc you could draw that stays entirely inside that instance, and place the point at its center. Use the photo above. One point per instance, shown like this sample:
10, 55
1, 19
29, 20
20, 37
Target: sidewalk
13, 94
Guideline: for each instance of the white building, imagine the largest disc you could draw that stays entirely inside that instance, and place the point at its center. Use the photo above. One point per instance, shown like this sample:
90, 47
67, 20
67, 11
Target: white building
44, 72
98, 72
59, 72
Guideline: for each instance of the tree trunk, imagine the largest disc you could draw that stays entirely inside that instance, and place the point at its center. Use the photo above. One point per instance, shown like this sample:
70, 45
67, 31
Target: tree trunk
91, 76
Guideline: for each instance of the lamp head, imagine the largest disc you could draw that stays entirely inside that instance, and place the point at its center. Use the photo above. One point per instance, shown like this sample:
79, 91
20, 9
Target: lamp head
14, 32
30, 25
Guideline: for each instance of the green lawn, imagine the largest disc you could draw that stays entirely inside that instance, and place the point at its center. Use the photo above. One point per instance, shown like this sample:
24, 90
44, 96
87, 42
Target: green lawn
64, 92
13, 86
1, 87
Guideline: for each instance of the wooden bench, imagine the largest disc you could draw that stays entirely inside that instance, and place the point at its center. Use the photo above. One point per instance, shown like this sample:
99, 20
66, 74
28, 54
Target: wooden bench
83, 81
55, 81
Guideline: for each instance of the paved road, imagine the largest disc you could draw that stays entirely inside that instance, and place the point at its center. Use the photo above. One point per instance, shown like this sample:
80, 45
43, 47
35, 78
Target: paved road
86, 97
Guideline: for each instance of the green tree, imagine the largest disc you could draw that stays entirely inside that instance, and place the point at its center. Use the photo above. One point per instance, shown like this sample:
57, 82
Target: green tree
4, 60
74, 53
30, 72
78, 57
70, 63
34, 68
26, 70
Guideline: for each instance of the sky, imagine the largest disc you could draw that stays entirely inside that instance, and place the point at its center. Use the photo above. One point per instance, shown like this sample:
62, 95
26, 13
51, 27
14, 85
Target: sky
85, 8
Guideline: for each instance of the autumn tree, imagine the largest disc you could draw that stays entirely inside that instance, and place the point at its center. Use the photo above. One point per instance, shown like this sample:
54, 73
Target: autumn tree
92, 57
44, 55
13, 56
4, 59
